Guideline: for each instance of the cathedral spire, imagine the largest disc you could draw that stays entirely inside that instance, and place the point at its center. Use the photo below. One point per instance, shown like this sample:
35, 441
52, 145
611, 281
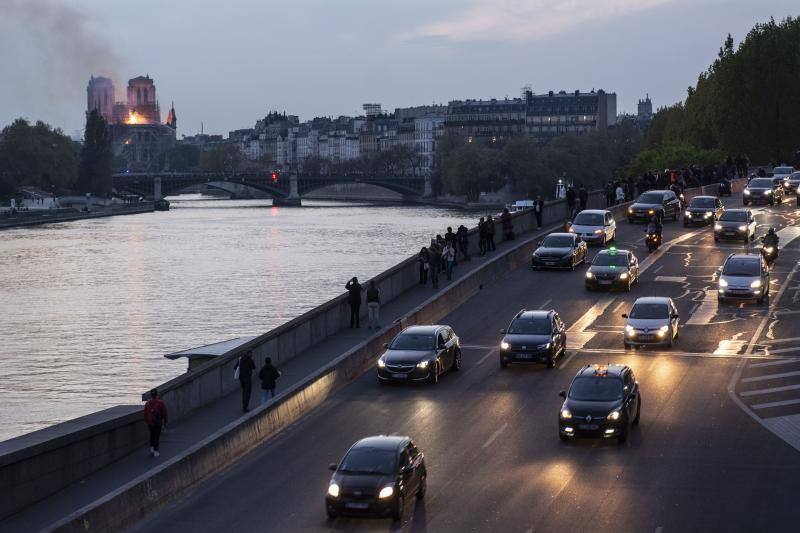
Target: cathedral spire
172, 119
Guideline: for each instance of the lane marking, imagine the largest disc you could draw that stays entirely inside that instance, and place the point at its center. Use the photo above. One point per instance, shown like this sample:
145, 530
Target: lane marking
494, 436
706, 311
591, 315
485, 357
775, 404
778, 341
771, 376
476, 347
773, 363
671, 279
566, 361
545, 304
769, 391
656, 271
651, 352
772, 305
784, 350
618, 307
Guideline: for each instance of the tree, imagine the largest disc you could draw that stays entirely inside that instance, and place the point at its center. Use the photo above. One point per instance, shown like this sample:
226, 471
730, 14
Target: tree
182, 158
96, 156
222, 158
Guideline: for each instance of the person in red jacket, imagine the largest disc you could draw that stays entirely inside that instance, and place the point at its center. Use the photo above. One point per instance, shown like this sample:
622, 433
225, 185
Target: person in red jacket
155, 416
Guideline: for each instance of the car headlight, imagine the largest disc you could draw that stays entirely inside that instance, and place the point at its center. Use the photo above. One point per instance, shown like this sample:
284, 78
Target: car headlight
422, 364
565, 414
386, 492
333, 490
756, 284
598, 231
706, 215
572, 230
663, 329
630, 330
722, 282
747, 192
613, 415
543, 346
381, 363
767, 192
630, 210
504, 345
589, 275
688, 214
624, 275
742, 228
769, 249
650, 212
717, 227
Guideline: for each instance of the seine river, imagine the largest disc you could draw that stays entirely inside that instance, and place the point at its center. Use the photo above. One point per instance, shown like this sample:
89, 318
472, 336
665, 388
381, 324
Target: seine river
89, 308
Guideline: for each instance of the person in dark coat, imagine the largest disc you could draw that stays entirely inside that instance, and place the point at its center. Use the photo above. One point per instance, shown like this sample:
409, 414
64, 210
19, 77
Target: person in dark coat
538, 210
246, 368
452, 238
490, 234
354, 289
269, 376
482, 236
462, 234
155, 416
424, 260
571, 201
583, 197
507, 224
436, 263
373, 305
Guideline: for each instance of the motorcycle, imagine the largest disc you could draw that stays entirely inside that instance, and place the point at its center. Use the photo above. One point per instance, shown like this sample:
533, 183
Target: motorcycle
770, 253
653, 241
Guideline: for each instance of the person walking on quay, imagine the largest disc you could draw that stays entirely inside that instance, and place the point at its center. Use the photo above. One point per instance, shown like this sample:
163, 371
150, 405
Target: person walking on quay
571, 202
269, 376
424, 260
620, 194
155, 416
436, 263
354, 290
583, 196
482, 236
507, 224
490, 234
373, 305
440, 242
609, 190
244, 371
538, 210
451, 238
449, 258
462, 235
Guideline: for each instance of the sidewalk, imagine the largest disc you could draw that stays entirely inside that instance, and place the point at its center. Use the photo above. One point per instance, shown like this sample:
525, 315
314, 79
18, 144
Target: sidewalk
211, 418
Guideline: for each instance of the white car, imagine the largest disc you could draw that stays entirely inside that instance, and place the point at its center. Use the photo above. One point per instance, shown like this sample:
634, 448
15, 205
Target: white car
595, 225
651, 320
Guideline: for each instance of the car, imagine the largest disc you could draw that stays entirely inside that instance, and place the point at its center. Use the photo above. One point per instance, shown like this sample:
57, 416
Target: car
763, 190
703, 210
420, 353
724, 188
559, 250
735, 224
743, 277
533, 337
376, 477
782, 172
602, 401
595, 226
612, 269
653, 320
791, 182
651, 202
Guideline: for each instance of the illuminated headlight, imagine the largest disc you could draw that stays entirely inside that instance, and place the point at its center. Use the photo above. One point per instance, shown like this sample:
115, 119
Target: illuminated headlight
756, 284
769, 249
630, 210
543, 346
386, 492
630, 330
422, 364
624, 275
742, 228
572, 230
718, 227
722, 282
688, 214
613, 415
565, 414
598, 231
504, 345
589, 275
333, 490
706, 215
381, 363
663, 329
650, 212
767, 192
747, 192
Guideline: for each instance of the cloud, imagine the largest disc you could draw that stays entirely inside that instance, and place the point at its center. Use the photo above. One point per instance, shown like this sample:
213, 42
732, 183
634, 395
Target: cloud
528, 20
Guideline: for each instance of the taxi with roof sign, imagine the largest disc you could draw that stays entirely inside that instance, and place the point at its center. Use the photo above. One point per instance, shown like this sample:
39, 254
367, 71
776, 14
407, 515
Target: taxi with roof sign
613, 268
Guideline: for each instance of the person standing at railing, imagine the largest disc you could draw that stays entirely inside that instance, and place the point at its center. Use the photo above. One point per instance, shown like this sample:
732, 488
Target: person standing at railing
373, 305
244, 372
462, 235
155, 416
354, 290
583, 196
538, 210
620, 194
449, 257
490, 234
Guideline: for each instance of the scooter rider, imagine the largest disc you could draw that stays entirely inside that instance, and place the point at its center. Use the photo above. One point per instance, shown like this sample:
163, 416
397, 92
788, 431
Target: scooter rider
770, 239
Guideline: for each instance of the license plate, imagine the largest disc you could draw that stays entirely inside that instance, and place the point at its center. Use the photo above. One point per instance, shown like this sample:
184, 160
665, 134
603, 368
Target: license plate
549, 263
399, 376
605, 282
588, 426
645, 337
524, 356
355, 505
731, 233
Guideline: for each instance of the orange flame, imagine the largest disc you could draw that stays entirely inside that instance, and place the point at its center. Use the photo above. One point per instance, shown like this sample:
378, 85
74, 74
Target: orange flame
134, 118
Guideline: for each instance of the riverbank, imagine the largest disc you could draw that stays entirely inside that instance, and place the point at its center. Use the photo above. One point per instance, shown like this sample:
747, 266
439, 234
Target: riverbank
50, 216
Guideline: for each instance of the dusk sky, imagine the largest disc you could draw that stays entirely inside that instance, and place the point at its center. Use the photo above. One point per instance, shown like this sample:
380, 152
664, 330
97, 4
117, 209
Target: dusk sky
228, 63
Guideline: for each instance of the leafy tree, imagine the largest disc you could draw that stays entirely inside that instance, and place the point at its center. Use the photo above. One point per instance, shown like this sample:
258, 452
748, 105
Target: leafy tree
182, 158
96, 156
222, 158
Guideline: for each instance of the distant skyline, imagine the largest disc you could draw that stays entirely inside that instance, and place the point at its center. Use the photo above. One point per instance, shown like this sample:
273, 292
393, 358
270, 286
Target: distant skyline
226, 65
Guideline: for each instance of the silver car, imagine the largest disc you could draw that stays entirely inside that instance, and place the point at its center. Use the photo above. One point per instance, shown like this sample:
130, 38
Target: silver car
743, 277
791, 182
739, 224
595, 225
652, 320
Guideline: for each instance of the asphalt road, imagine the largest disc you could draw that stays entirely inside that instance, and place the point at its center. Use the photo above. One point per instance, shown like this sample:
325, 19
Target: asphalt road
713, 452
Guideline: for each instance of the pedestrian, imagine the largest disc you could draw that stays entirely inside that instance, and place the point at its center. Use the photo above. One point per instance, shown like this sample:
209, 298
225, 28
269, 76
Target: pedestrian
507, 224
571, 202
482, 236
452, 238
583, 196
155, 416
449, 258
268, 376
620, 194
373, 305
244, 371
440, 242
424, 259
490, 234
354, 290
609, 190
462, 234
436, 263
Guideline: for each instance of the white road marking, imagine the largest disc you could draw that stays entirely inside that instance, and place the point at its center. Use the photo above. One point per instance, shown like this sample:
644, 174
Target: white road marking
706, 311
485, 357
729, 347
591, 315
787, 235
576, 341
618, 307
656, 271
769, 391
494, 436
566, 361
772, 304
777, 341
771, 376
774, 363
784, 350
775, 404
545, 304
476, 347
672, 279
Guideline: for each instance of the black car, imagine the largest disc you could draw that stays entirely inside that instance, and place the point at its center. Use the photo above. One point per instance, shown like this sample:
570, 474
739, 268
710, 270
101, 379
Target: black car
602, 401
533, 337
376, 477
791, 182
420, 353
703, 210
652, 202
724, 188
612, 269
559, 250
763, 190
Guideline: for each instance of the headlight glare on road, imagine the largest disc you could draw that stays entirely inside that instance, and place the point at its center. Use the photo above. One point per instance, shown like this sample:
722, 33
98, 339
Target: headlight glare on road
624, 275
381, 363
386, 492
565, 414
333, 490
718, 227
613, 415
722, 282
589, 275
422, 364
504, 345
756, 284
742, 228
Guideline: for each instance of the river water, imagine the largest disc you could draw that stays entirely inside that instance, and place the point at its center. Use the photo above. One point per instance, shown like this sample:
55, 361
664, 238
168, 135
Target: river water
89, 308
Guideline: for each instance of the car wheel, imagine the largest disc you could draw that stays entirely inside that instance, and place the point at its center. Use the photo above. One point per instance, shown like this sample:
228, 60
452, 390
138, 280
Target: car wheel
503, 363
675, 216
638, 410
423, 487
562, 437
614, 236
457, 361
720, 300
630, 221
433, 376
671, 342
588, 288
551, 362
397, 512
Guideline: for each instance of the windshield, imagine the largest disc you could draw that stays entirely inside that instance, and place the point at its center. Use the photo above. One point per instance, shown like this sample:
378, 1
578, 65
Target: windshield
528, 326
369, 461
741, 267
651, 198
619, 260
782, 170
703, 202
648, 310
734, 216
589, 219
761, 183
795, 176
412, 341
596, 389
557, 241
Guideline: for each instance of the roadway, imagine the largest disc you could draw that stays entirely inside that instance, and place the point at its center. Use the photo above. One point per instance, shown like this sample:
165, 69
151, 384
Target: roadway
716, 450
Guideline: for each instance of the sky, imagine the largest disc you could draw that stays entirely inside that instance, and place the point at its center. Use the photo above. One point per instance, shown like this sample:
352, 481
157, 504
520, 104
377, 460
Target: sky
225, 64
